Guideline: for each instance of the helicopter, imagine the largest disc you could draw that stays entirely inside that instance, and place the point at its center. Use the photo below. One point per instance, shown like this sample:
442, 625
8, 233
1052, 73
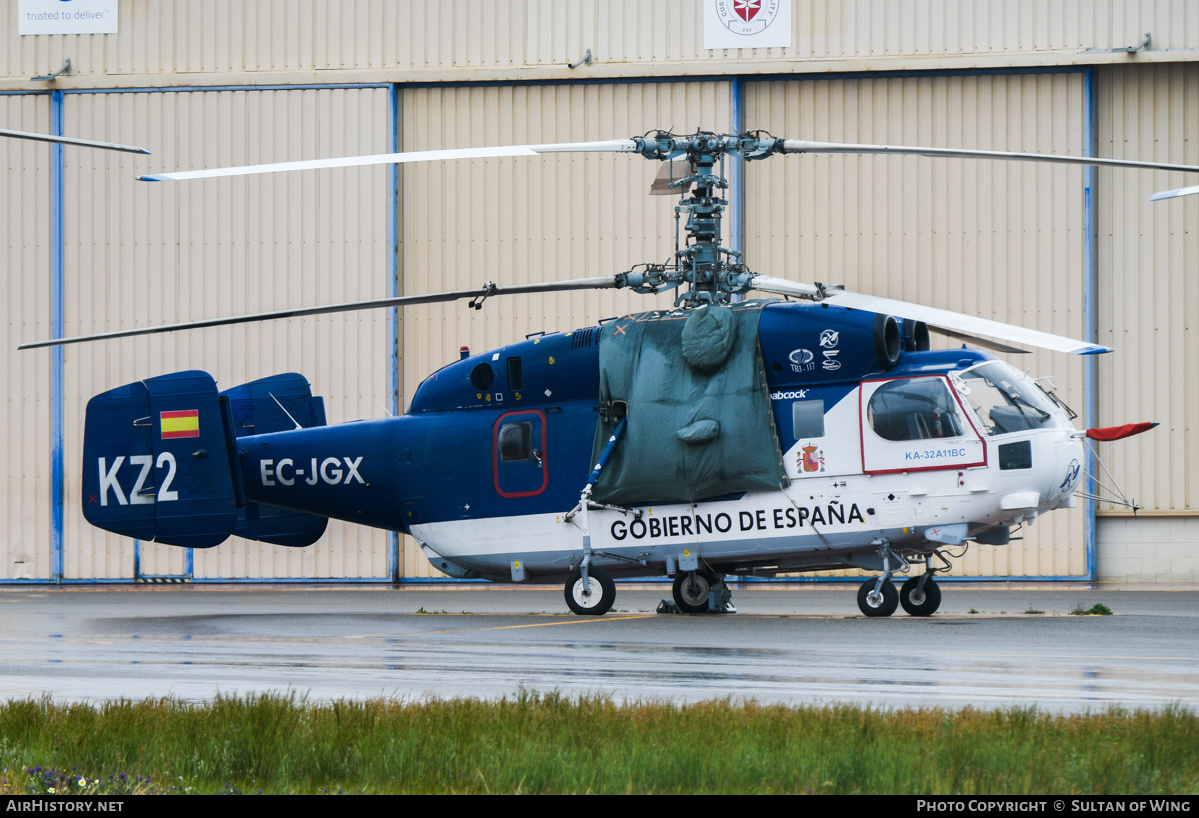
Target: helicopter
722, 437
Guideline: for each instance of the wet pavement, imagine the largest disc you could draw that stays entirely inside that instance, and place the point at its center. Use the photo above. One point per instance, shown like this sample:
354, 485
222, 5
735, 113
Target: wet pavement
987, 647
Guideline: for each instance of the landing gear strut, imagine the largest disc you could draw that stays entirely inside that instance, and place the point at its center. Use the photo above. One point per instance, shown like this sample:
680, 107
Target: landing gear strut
874, 600
920, 596
877, 597
593, 596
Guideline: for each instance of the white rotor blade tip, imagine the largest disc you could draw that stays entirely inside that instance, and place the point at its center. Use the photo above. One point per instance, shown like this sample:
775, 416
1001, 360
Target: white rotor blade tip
965, 323
1173, 194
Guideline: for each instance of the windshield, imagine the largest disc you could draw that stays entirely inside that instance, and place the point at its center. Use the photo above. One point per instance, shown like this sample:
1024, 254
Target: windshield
1005, 400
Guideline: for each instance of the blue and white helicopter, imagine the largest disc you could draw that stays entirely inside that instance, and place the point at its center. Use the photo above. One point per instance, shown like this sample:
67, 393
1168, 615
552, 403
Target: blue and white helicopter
721, 438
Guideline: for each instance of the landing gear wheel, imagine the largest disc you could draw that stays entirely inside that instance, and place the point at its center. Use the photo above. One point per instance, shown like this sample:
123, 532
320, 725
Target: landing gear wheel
920, 603
882, 604
691, 591
602, 592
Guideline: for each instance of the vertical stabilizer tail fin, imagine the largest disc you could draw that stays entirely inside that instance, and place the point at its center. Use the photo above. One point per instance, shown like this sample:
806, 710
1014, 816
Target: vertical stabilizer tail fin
160, 462
279, 403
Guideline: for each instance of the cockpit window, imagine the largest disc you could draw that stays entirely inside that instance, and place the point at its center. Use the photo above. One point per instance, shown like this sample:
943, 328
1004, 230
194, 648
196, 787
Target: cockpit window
914, 409
1006, 401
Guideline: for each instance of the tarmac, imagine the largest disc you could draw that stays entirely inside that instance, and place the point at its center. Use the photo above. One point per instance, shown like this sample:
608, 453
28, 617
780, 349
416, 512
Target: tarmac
992, 645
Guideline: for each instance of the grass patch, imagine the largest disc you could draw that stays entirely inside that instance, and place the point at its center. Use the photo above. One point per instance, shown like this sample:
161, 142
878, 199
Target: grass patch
553, 744
1098, 609
1033, 611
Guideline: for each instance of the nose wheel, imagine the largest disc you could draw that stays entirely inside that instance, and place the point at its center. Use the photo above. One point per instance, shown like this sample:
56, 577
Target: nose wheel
881, 602
593, 598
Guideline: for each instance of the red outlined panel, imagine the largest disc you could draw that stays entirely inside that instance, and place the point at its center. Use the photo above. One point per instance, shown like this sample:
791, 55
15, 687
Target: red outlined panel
879, 448
495, 453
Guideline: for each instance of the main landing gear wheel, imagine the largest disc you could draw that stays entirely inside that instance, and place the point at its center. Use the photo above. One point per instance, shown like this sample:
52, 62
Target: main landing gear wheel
882, 603
691, 591
917, 602
594, 599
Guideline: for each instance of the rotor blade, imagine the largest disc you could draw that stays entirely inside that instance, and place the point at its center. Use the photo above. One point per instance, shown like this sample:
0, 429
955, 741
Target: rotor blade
611, 146
1172, 194
781, 286
68, 140
975, 340
963, 323
800, 146
488, 290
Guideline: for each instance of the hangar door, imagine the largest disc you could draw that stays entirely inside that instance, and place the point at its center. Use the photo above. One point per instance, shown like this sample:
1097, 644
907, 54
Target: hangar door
518, 220
1002, 240
25, 417
138, 254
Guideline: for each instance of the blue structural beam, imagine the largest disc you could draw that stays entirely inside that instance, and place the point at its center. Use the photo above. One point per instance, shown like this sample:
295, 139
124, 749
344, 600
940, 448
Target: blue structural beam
56, 330
394, 285
1090, 309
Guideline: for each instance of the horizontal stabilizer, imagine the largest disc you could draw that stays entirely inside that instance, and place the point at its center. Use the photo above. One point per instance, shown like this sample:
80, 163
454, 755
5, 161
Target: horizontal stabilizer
279, 526
158, 462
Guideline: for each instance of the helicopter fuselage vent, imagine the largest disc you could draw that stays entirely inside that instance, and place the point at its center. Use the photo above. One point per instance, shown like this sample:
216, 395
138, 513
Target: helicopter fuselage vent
583, 337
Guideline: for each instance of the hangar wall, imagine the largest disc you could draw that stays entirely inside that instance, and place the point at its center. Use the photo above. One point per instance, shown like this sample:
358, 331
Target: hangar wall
1148, 309
517, 220
227, 82
473, 40
996, 239
138, 254
25, 412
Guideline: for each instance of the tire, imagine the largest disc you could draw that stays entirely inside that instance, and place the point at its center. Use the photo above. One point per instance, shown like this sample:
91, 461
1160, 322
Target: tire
691, 591
599, 601
920, 604
887, 604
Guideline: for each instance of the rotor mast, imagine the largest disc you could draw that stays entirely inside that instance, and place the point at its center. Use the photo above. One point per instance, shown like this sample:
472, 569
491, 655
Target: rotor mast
714, 271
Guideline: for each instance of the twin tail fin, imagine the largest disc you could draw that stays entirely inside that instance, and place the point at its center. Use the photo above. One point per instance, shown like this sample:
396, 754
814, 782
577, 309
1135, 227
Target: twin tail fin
161, 459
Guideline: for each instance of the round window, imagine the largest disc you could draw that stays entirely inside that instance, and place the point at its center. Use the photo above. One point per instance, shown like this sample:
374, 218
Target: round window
482, 376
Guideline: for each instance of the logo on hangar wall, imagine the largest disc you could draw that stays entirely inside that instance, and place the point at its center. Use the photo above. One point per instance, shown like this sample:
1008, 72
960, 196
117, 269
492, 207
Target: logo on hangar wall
747, 23
747, 17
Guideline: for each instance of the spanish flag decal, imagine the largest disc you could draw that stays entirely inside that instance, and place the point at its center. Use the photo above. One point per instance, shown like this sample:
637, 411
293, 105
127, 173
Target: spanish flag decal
184, 423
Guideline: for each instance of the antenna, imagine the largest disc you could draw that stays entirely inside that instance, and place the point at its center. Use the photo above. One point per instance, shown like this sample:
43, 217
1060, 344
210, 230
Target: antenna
293, 420
384, 408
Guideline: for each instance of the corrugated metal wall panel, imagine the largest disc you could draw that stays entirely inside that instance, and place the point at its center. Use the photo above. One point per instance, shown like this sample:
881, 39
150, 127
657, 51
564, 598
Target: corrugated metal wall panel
238, 36
139, 254
25, 504
1000, 240
531, 219
630, 31
560, 33
1148, 293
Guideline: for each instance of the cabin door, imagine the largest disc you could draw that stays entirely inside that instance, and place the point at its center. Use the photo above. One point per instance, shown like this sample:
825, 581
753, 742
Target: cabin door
518, 454
916, 424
